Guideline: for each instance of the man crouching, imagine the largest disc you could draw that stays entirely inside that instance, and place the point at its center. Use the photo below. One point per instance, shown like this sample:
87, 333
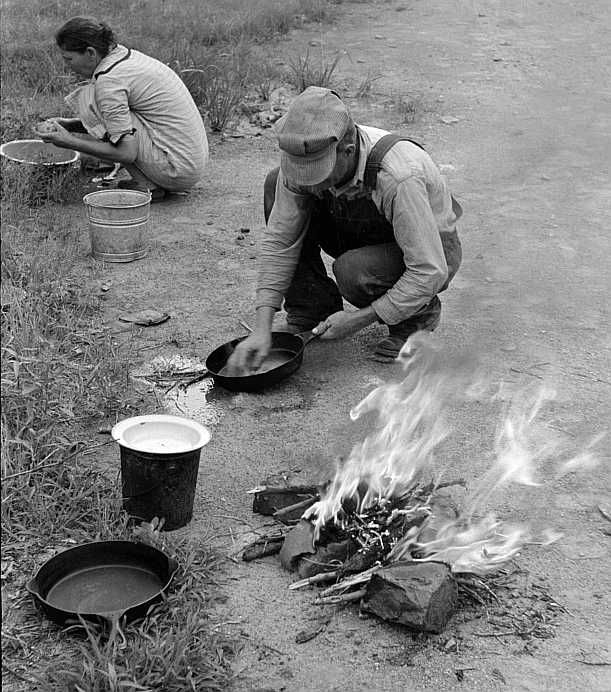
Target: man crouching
373, 201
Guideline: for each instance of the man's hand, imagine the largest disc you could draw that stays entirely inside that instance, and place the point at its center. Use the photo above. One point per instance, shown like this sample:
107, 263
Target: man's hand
249, 354
341, 324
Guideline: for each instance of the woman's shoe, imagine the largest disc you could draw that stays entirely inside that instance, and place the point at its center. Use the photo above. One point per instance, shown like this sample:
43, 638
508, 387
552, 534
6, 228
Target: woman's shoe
157, 193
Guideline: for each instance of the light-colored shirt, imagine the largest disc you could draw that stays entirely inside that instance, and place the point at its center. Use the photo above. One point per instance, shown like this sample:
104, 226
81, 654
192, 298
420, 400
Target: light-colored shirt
136, 92
412, 195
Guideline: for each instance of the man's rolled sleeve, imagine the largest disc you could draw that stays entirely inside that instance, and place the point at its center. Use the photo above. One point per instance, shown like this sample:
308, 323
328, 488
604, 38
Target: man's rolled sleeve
417, 235
280, 245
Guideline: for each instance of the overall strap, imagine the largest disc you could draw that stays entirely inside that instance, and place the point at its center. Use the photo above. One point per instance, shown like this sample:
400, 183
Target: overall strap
378, 152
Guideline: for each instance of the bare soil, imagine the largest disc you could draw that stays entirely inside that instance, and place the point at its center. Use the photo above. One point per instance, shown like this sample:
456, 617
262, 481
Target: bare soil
512, 100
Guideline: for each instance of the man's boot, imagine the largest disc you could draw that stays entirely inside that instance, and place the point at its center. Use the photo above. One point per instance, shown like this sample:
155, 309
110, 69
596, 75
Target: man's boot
387, 350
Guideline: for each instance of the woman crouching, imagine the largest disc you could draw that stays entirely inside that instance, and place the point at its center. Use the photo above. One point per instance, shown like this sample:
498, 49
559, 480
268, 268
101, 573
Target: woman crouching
136, 110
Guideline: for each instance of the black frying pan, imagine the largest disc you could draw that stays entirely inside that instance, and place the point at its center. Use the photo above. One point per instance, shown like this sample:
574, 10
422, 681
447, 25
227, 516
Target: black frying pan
284, 358
104, 580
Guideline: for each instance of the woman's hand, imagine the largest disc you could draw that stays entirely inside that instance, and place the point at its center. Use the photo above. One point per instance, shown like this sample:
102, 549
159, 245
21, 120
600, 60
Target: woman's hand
45, 127
54, 133
249, 354
341, 324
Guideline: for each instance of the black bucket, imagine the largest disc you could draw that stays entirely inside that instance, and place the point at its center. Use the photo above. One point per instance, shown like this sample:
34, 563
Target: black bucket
155, 485
160, 483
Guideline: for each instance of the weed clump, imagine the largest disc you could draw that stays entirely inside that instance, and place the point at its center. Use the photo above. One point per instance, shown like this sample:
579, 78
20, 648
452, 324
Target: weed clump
305, 71
217, 89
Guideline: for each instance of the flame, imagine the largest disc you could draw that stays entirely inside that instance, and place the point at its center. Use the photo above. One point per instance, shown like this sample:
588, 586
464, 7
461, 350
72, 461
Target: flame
517, 454
480, 547
410, 425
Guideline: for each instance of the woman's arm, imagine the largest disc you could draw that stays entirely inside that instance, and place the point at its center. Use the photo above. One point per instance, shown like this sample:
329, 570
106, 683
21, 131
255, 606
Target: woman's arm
124, 151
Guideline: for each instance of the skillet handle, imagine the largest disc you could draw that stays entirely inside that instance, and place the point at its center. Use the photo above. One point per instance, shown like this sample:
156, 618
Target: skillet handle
114, 619
308, 336
33, 587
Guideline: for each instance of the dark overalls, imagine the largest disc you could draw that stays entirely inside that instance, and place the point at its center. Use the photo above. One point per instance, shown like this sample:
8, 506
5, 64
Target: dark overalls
368, 260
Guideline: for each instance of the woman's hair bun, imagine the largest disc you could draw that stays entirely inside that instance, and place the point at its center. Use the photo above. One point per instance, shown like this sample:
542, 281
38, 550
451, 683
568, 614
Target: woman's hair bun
106, 34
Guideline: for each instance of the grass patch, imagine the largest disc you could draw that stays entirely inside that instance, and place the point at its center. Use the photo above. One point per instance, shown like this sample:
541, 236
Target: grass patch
219, 86
304, 71
365, 86
33, 185
60, 373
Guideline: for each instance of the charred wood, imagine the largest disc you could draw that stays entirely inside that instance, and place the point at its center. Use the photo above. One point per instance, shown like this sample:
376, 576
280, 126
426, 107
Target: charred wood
326, 558
262, 547
299, 541
269, 499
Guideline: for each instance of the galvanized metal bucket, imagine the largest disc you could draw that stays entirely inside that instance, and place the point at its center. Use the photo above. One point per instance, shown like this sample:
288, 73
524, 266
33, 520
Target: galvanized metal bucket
118, 224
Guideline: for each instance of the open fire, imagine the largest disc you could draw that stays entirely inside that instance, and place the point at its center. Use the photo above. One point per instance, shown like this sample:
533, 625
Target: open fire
382, 532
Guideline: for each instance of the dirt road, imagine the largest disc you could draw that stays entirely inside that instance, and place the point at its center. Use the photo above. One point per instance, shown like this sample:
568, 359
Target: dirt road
513, 101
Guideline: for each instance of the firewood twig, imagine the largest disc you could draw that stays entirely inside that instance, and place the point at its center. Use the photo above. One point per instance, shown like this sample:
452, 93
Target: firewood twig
303, 504
341, 598
512, 633
474, 595
316, 579
465, 581
194, 380
340, 587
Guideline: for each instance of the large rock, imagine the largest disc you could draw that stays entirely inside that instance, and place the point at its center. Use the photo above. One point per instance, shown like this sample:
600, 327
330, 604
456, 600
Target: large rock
420, 595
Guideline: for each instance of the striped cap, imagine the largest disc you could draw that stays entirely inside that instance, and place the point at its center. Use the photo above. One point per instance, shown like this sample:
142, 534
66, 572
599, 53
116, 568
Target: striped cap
315, 122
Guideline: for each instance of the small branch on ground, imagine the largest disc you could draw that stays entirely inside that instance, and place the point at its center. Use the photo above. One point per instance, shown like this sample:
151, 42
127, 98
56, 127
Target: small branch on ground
342, 598
320, 578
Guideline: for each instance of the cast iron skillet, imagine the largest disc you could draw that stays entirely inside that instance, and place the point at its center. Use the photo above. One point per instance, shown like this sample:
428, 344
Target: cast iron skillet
286, 353
104, 580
